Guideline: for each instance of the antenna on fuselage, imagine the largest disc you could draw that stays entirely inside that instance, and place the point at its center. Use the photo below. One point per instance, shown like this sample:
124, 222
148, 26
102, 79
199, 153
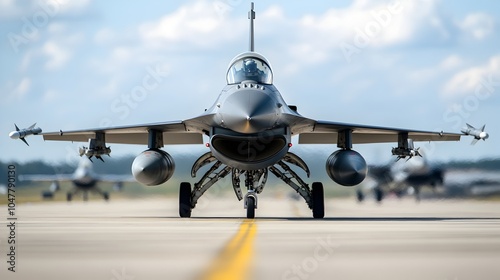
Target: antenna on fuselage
251, 17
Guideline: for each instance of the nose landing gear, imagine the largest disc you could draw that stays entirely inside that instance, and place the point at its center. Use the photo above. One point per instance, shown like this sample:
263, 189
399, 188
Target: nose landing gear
251, 204
255, 181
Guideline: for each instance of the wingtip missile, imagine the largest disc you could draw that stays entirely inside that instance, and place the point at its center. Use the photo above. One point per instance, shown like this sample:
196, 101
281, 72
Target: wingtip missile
478, 134
22, 133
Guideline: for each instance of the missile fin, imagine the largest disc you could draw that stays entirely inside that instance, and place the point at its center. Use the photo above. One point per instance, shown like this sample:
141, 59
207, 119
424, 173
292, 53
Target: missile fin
24, 140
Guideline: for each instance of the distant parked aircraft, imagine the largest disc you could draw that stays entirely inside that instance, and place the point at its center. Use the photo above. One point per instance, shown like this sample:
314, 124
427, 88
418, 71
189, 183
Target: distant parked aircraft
84, 180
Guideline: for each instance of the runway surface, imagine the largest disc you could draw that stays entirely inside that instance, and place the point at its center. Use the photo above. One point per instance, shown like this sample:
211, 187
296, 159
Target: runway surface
144, 239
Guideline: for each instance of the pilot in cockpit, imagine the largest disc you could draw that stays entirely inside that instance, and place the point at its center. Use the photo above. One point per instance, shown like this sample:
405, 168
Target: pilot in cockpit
249, 69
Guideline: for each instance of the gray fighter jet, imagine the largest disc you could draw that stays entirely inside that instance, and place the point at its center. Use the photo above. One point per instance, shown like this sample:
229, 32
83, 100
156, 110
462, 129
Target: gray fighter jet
399, 177
84, 180
250, 127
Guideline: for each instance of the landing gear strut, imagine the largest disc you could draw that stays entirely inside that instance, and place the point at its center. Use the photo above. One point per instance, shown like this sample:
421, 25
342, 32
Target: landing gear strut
255, 181
85, 193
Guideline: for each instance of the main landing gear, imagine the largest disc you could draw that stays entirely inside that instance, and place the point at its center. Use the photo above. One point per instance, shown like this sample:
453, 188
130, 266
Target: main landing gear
85, 193
255, 181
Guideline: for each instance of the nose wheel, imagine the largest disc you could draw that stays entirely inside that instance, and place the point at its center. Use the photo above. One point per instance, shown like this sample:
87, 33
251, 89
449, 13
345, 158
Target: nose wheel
250, 205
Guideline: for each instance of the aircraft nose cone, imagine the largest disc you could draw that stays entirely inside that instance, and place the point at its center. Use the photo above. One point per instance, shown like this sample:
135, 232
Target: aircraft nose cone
249, 111
483, 135
14, 135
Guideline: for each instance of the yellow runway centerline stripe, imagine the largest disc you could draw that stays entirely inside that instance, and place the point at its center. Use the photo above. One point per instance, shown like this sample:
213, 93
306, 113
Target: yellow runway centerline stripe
234, 260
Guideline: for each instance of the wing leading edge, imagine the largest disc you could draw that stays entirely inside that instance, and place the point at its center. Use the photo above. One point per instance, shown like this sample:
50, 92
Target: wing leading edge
326, 132
174, 132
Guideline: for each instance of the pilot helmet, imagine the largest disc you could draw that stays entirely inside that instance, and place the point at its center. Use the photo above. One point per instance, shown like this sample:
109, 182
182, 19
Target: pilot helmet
249, 66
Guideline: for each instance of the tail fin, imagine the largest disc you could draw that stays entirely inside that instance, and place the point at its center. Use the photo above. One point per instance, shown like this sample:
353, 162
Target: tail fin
251, 17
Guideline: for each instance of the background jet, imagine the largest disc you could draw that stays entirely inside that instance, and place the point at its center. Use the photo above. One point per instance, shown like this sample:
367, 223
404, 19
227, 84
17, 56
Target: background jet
445, 180
84, 180
471, 183
403, 177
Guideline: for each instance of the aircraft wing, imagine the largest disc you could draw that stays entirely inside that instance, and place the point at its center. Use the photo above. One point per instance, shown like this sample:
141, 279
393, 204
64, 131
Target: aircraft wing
47, 178
174, 132
326, 132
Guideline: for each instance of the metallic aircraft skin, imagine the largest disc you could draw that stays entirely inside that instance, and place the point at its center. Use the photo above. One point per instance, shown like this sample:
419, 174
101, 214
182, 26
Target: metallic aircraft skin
400, 176
250, 127
410, 177
84, 180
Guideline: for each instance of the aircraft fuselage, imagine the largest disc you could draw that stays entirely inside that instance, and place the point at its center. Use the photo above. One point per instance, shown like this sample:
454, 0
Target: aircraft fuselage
251, 131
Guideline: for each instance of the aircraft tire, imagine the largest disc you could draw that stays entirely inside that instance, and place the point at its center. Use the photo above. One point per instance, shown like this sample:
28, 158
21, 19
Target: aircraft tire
47, 195
379, 194
360, 196
105, 195
250, 207
69, 196
185, 200
318, 199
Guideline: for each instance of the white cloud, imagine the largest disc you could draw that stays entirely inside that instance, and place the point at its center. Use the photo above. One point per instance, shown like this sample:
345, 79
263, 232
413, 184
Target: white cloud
436, 71
56, 28
57, 55
72, 6
11, 9
468, 80
26, 61
384, 22
104, 36
451, 62
196, 24
478, 25
22, 88
50, 95
273, 12
121, 54
371, 24
59, 50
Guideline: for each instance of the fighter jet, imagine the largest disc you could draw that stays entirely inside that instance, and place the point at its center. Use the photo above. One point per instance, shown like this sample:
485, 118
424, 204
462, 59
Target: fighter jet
471, 183
250, 129
402, 177
84, 181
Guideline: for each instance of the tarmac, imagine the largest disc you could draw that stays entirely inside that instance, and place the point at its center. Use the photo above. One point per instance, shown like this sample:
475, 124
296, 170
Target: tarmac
145, 239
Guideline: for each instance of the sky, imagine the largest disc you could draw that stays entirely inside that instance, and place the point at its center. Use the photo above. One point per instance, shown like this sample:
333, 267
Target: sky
75, 64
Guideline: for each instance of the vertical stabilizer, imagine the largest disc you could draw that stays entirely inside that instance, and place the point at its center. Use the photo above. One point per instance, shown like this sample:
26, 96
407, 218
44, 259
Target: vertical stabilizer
251, 17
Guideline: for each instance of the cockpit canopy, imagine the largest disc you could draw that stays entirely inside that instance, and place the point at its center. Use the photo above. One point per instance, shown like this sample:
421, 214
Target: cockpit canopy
249, 67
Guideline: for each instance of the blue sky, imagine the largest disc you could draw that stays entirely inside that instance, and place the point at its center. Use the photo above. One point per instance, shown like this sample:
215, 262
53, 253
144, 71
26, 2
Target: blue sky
431, 65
